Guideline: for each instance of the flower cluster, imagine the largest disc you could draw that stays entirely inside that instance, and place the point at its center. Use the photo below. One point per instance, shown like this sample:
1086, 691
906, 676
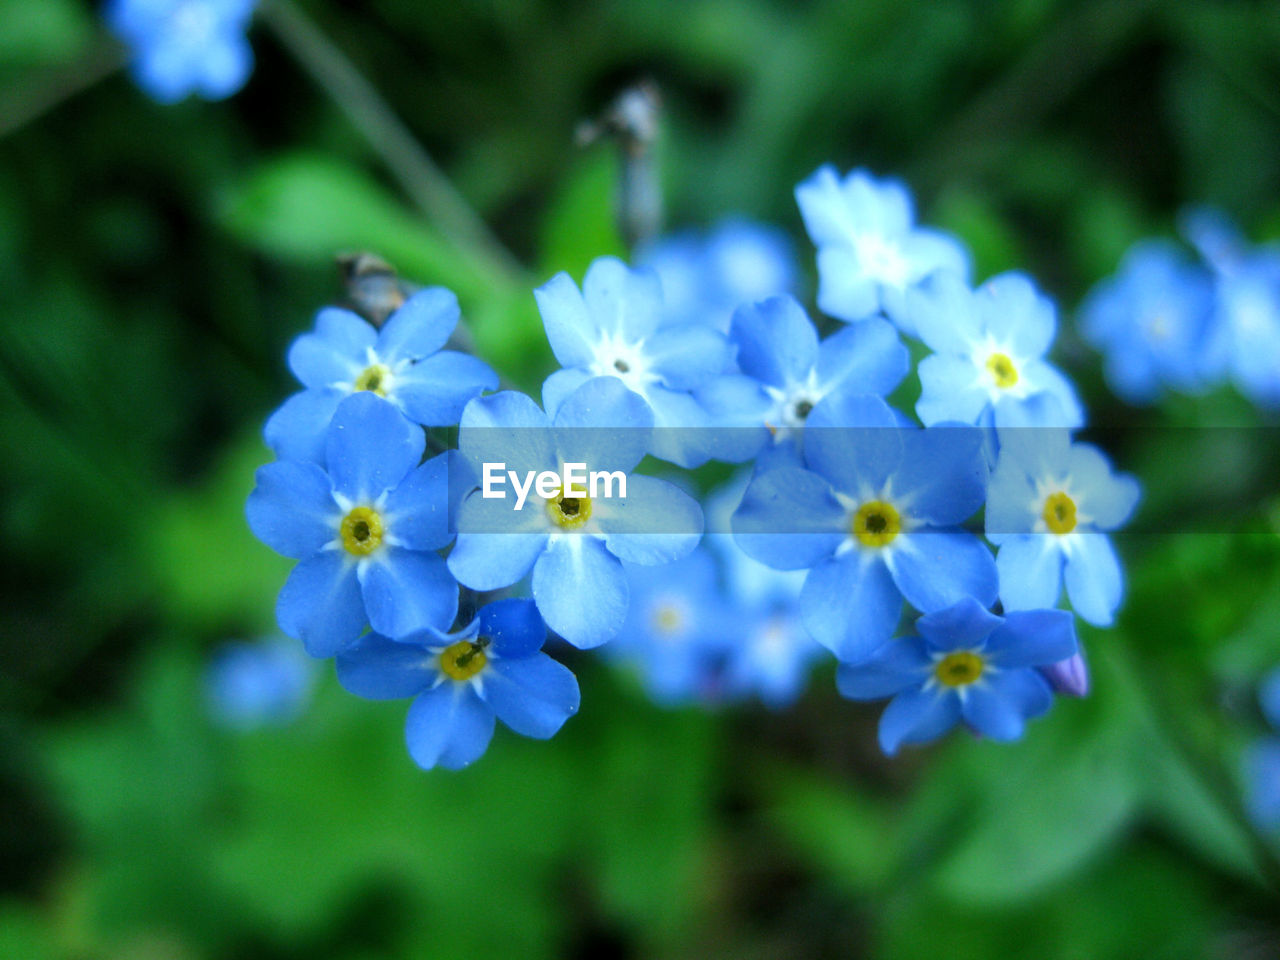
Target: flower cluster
180, 47
1168, 321
848, 515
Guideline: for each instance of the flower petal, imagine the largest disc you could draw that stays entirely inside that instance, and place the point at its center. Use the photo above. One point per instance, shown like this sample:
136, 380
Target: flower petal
513, 627
377, 668
776, 341
320, 604
789, 519
448, 726
571, 330
850, 605
604, 425
937, 568
1030, 568
506, 427
533, 695
943, 476
335, 353
897, 665
370, 447
1094, 579
406, 591
950, 390
296, 431
420, 327
581, 590
1033, 638
1000, 705
917, 716
435, 390
416, 512
864, 357
656, 522
291, 508
963, 625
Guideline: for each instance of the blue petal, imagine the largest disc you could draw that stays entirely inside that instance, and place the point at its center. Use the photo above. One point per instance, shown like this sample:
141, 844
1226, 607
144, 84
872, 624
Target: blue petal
682, 432
533, 695
789, 519
1095, 582
506, 427
435, 390
623, 302
336, 353
687, 356
1069, 413
1012, 501
448, 726
291, 509
822, 207
964, 625
297, 430
513, 626
897, 665
1030, 567
559, 385
936, 568
377, 668
777, 343
416, 513
943, 476
941, 312
917, 716
604, 425
420, 327
370, 447
853, 441
225, 64
1016, 315
571, 330
581, 590
950, 390
656, 522
406, 591
1106, 498
320, 603
1000, 705
844, 289
864, 357
1033, 638
497, 545
850, 605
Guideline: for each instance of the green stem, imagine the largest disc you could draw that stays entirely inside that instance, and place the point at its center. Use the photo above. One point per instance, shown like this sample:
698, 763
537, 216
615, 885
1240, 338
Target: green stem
32, 100
423, 181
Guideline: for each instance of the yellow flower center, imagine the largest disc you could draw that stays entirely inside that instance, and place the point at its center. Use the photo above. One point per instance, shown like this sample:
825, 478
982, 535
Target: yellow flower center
464, 659
958, 669
667, 620
876, 523
569, 512
374, 379
1002, 370
1060, 513
362, 531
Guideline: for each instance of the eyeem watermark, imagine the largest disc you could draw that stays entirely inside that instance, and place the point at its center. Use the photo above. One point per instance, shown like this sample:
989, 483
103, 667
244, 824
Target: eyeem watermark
573, 480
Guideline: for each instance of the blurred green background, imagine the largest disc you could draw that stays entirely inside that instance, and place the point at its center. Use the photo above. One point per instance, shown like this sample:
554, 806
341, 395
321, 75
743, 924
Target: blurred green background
156, 261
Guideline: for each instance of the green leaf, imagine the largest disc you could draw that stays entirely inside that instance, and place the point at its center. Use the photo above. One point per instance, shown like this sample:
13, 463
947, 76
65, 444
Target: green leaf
580, 222
51, 31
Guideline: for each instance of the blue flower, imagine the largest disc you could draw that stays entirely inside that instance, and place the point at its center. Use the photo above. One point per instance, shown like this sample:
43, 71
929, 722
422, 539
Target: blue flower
460, 681
252, 685
988, 367
364, 532
402, 363
966, 665
875, 516
1048, 502
704, 278
678, 630
614, 327
1152, 321
179, 47
1262, 782
869, 249
786, 372
573, 544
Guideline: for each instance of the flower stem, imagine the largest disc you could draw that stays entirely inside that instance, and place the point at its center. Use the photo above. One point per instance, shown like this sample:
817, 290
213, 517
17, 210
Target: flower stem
419, 176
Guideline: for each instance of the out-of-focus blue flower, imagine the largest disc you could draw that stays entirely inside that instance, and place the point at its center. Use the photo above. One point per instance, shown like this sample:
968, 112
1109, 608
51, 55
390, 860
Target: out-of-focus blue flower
1048, 504
614, 327
705, 278
786, 372
364, 532
1269, 698
869, 249
678, 630
1152, 320
402, 362
573, 545
876, 517
966, 665
988, 364
460, 681
252, 685
179, 47
1069, 677
1262, 782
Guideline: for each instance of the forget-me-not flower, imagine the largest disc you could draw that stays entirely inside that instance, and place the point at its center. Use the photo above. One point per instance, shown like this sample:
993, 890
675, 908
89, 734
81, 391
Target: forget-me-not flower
988, 366
460, 681
252, 685
179, 47
1048, 503
966, 665
574, 545
870, 251
615, 327
365, 532
402, 363
1152, 321
875, 516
